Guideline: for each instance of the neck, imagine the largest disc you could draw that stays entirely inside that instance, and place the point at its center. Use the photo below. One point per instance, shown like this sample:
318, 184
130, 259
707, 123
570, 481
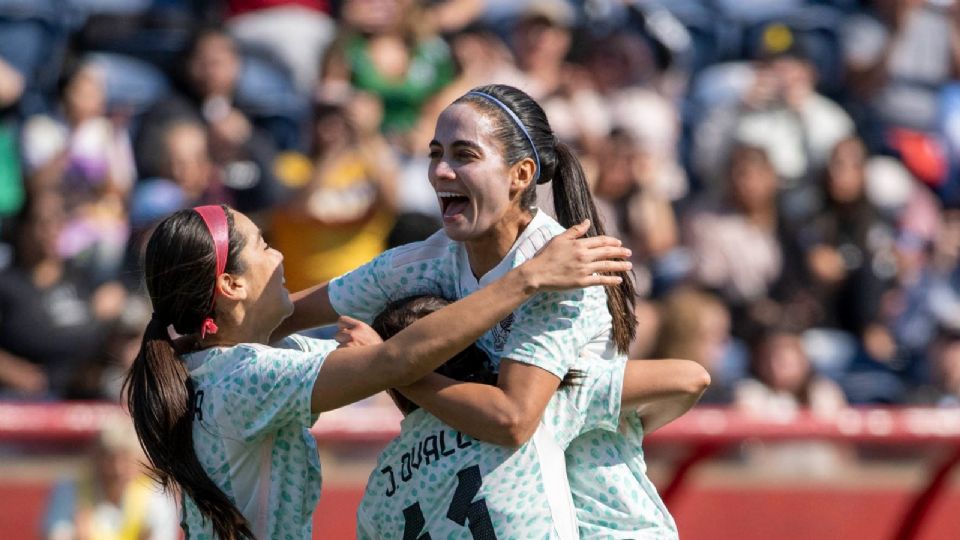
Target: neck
765, 218
234, 330
487, 251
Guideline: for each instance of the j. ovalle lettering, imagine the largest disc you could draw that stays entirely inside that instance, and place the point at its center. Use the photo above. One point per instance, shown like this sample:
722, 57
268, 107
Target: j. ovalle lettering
430, 449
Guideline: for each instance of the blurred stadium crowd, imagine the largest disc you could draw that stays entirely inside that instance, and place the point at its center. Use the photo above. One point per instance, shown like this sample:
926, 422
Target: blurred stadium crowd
787, 173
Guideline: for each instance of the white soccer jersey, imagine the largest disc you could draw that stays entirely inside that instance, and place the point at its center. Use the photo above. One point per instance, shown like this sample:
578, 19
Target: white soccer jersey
556, 331
251, 433
435, 482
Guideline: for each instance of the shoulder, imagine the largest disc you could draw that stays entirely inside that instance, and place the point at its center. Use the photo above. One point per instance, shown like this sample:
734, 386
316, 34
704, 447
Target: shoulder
301, 343
541, 230
437, 246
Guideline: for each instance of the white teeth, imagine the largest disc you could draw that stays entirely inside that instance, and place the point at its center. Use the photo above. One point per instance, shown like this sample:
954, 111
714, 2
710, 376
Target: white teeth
443, 194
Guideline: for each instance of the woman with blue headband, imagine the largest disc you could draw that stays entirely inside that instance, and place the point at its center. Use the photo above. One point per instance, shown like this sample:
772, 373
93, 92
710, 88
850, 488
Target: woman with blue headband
225, 418
491, 148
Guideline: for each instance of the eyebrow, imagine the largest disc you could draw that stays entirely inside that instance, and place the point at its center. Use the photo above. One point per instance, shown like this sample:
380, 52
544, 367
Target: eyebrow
469, 144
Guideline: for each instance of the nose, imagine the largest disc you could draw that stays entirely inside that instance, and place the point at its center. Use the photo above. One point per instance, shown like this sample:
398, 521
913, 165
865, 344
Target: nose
443, 171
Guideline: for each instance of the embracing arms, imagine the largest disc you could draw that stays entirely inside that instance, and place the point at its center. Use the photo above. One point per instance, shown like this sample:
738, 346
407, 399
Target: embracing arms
509, 413
351, 374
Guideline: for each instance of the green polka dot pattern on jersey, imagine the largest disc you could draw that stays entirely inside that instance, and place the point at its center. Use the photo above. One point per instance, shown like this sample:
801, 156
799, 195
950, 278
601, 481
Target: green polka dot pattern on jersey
253, 425
554, 331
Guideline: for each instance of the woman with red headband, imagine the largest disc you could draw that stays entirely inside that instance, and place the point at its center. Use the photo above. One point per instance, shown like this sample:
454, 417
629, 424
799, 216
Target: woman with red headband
225, 418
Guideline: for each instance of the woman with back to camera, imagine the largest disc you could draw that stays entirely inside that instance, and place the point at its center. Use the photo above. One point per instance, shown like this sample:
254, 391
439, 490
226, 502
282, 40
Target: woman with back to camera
225, 417
491, 148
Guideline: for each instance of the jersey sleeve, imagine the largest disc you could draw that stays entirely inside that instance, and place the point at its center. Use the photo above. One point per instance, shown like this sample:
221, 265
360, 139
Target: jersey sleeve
362, 293
273, 386
409, 270
593, 402
601, 395
550, 329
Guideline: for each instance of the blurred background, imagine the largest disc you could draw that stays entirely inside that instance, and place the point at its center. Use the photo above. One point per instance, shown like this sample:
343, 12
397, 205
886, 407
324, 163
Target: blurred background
786, 173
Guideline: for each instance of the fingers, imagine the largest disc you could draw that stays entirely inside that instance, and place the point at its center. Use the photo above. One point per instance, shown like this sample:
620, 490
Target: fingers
600, 279
348, 322
611, 252
599, 241
611, 266
578, 230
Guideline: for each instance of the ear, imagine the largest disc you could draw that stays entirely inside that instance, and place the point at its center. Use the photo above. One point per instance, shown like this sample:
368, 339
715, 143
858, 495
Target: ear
231, 287
521, 174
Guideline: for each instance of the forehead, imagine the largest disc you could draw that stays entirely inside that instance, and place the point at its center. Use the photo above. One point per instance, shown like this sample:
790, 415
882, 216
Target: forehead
244, 226
463, 122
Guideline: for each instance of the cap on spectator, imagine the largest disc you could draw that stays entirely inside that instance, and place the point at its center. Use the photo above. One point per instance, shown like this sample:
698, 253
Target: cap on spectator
777, 40
553, 12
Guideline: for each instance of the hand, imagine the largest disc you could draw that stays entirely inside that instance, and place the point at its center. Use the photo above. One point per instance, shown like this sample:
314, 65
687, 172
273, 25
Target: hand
571, 262
354, 333
26, 378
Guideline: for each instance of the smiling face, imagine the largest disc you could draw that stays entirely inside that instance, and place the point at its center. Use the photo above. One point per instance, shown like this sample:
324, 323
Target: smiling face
266, 299
476, 188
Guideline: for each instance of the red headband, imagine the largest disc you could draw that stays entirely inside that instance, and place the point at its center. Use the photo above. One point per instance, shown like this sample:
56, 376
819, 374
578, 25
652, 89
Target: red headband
215, 218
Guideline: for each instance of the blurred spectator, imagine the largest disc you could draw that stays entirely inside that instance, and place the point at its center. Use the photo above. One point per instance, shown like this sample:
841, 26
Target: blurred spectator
898, 55
51, 318
922, 298
634, 209
388, 50
80, 144
184, 164
241, 145
296, 31
627, 95
88, 157
784, 383
848, 245
695, 325
341, 216
944, 387
12, 86
101, 378
112, 497
780, 112
744, 249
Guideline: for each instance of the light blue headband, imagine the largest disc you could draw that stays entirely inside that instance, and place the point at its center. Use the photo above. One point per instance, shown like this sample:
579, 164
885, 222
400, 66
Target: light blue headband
516, 120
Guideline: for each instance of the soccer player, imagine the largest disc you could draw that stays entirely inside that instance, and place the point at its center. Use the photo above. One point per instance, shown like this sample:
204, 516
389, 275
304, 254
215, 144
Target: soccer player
225, 417
491, 148
435, 480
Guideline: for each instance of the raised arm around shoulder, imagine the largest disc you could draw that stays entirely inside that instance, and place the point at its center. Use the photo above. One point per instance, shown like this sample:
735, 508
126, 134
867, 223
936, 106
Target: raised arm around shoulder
661, 391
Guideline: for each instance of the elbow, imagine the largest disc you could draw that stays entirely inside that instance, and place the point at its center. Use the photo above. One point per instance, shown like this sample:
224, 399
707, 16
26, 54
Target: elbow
514, 430
696, 379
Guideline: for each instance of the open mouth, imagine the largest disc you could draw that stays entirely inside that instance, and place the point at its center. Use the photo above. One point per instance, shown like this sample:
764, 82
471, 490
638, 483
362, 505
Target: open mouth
452, 204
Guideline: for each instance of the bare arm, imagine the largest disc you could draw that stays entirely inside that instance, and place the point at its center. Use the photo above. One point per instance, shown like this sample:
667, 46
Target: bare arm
351, 374
508, 414
662, 390
18, 374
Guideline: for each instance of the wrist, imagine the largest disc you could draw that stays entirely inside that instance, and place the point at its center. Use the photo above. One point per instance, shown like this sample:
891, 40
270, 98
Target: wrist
528, 279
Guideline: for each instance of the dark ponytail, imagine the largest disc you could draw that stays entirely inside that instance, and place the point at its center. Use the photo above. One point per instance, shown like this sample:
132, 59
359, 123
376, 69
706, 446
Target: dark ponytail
571, 193
573, 203
179, 269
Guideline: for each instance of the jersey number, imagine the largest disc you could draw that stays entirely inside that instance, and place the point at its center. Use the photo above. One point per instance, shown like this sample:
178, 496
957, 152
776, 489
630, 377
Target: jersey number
462, 509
